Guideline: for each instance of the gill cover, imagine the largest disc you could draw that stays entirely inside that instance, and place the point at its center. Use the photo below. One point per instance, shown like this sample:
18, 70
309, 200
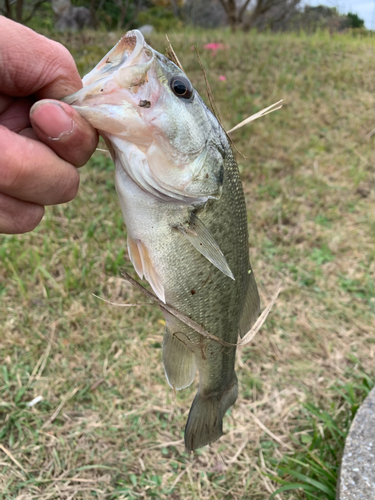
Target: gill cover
157, 128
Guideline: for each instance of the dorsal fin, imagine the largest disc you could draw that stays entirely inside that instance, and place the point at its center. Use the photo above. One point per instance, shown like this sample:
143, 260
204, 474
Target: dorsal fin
251, 307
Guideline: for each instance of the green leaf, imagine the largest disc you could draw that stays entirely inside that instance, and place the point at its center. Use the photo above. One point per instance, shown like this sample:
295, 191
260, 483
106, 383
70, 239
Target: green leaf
309, 480
291, 486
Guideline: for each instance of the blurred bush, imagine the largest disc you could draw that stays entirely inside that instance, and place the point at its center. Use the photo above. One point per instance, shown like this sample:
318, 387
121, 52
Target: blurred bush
208, 14
312, 19
355, 21
171, 15
163, 19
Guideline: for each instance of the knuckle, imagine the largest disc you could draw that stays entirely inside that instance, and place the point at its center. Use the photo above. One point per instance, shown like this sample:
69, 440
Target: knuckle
30, 219
60, 66
70, 189
22, 220
15, 162
11, 173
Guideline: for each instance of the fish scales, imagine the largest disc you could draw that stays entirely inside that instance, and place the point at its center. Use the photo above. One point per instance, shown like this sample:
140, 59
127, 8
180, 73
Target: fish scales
217, 302
184, 208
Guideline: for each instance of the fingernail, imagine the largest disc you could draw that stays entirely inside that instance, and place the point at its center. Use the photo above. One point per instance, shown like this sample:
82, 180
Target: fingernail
52, 120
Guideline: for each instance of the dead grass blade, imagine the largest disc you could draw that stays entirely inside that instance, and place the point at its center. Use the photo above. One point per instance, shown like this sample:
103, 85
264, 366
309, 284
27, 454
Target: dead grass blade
195, 326
166, 444
259, 322
171, 54
8, 453
59, 408
267, 431
180, 475
121, 305
39, 367
208, 89
212, 102
243, 445
103, 150
255, 116
267, 482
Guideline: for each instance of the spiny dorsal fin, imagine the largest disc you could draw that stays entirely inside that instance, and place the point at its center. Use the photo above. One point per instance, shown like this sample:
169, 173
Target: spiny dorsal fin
201, 239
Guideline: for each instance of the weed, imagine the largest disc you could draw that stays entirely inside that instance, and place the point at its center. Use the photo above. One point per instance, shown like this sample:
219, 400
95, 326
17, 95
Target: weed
314, 466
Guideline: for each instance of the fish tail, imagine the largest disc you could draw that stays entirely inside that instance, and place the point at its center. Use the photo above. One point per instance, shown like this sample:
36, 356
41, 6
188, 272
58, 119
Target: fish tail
179, 361
205, 422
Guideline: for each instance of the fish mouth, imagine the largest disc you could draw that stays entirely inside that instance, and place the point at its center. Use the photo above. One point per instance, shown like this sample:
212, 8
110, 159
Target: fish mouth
124, 68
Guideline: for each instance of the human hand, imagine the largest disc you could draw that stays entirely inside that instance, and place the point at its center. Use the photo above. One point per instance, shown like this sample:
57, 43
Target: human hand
39, 150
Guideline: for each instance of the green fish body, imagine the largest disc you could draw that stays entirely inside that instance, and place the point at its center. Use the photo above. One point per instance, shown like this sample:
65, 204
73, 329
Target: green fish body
184, 208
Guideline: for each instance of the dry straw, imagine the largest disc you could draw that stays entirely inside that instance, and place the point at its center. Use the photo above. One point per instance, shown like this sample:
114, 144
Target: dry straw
255, 116
198, 328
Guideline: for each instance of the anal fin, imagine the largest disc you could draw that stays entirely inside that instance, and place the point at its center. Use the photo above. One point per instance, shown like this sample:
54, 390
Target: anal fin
178, 359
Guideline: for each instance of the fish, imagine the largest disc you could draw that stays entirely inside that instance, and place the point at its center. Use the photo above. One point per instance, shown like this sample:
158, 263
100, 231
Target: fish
184, 209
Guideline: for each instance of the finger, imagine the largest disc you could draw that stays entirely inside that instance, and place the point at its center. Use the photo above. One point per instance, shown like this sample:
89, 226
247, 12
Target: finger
17, 216
30, 171
33, 64
30, 133
60, 127
5, 102
15, 116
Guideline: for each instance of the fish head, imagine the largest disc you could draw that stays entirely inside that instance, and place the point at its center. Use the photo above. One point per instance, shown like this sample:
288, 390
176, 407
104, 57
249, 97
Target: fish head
156, 126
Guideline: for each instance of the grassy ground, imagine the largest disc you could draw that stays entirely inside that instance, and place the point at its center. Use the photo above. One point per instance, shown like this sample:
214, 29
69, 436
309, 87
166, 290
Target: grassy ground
109, 426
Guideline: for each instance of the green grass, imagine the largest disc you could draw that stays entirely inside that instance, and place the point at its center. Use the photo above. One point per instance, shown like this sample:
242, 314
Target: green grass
108, 425
313, 468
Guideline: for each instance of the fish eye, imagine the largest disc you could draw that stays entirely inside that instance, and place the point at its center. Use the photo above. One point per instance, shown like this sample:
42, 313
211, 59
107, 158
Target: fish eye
181, 87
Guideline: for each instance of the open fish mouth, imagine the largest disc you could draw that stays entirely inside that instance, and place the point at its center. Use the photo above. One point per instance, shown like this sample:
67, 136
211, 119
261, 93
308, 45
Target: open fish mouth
119, 75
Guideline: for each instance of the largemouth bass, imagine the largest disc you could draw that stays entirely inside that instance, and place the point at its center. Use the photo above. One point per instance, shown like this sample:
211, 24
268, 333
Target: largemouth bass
184, 209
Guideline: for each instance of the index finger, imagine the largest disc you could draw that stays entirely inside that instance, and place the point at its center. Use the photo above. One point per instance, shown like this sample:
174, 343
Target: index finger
31, 171
33, 64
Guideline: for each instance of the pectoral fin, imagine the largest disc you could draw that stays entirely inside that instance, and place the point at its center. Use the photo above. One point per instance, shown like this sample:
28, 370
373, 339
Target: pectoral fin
142, 264
135, 257
201, 239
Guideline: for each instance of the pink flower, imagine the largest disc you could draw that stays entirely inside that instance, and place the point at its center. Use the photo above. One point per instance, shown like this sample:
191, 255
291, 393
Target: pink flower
222, 78
214, 47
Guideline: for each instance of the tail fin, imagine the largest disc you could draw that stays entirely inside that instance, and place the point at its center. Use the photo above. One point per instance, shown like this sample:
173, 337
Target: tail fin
205, 422
179, 361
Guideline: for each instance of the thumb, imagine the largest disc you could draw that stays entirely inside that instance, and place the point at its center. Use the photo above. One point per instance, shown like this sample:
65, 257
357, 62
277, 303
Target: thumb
61, 128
